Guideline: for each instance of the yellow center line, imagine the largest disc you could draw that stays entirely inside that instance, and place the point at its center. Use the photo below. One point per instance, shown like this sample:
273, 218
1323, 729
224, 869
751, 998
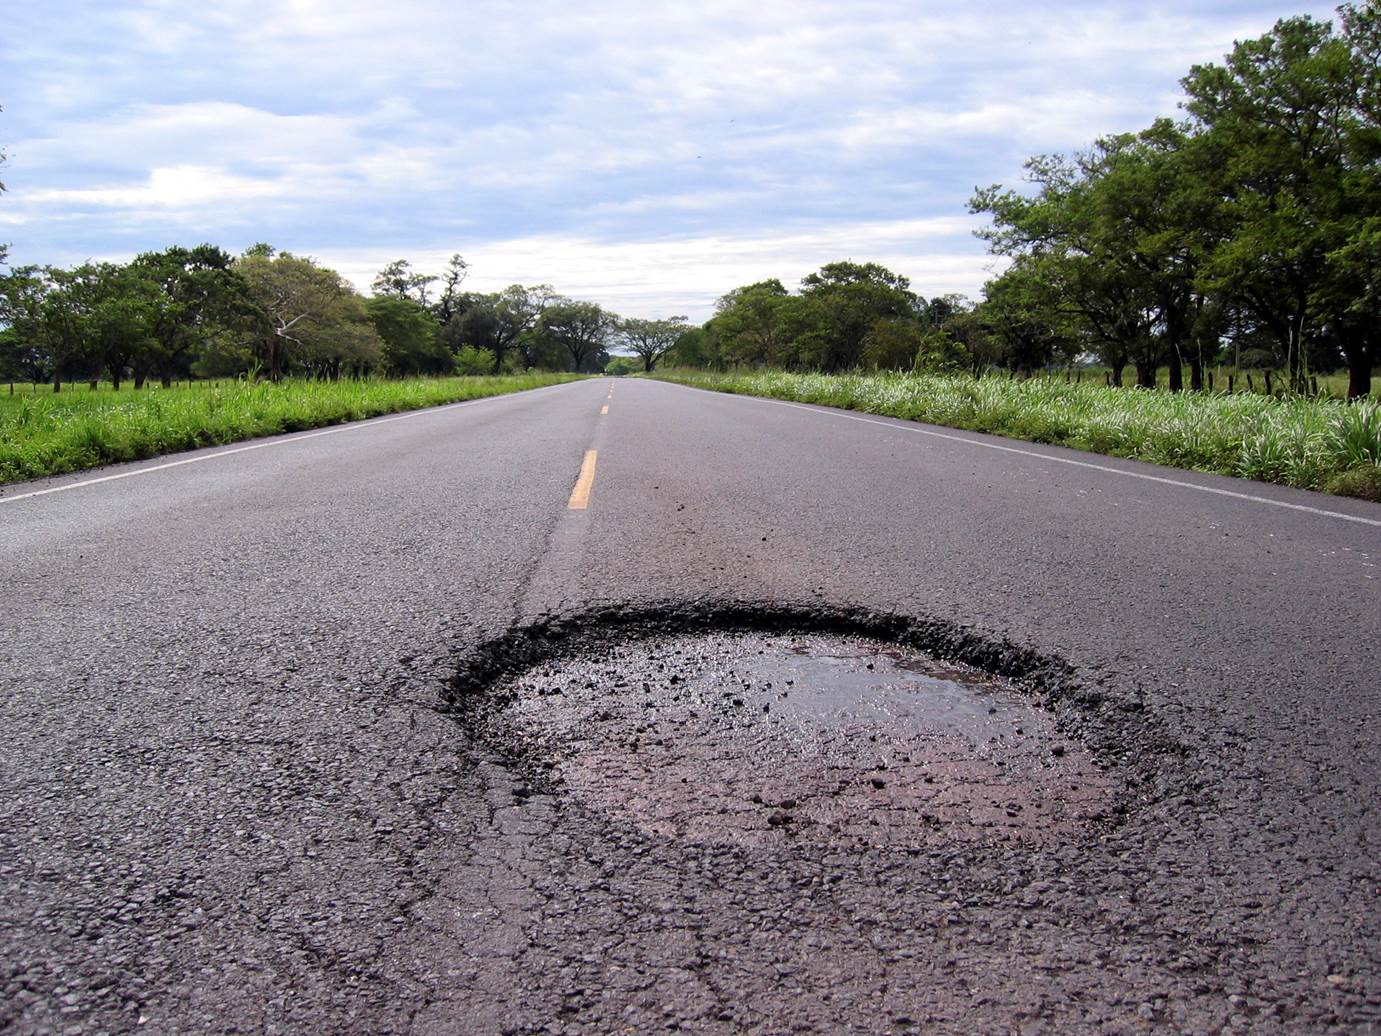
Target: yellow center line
580, 495
604, 409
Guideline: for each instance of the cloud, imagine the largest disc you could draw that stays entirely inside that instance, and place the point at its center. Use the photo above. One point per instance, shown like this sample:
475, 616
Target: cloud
660, 276
651, 156
171, 187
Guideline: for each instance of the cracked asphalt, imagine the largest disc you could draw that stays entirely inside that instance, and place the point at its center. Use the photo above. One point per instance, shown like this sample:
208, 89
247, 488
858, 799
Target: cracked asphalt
237, 794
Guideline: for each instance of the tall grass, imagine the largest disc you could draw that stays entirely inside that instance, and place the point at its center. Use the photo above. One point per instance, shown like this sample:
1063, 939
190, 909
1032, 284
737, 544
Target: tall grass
1318, 444
53, 434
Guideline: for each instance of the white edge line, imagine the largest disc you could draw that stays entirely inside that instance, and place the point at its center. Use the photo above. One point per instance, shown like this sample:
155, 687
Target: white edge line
284, 440
897, 424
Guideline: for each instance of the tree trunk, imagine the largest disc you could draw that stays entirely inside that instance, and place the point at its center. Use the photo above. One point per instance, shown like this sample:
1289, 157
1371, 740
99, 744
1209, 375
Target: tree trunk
1146, 375
57, 385
1176, 372
1294, 354
1360, 356
1196, 373
1359, 375
167, 380
1115, 376
139, 380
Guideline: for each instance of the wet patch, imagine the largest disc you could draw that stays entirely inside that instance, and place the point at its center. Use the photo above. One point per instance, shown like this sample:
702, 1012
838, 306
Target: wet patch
776, 737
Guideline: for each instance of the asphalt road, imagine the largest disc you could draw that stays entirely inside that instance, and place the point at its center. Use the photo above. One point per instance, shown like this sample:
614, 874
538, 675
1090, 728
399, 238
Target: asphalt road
232, 798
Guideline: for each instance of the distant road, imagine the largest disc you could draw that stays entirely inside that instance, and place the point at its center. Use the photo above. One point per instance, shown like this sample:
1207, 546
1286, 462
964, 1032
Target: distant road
228, 803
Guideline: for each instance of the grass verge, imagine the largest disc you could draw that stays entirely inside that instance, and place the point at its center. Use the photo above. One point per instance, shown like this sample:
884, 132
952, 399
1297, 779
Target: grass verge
54, 434
1317, 444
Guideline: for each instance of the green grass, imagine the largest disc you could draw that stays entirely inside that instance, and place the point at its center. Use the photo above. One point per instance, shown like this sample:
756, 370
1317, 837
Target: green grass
1318, 444
47, 434
1329, 383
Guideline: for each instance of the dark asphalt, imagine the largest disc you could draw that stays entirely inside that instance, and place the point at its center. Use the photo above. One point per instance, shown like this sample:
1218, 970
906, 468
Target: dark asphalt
232, 799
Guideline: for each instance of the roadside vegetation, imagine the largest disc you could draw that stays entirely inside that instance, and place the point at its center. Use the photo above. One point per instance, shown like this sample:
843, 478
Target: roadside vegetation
1231, 261
1236, 249
188, 314
192, 347
50, 434
1320, 444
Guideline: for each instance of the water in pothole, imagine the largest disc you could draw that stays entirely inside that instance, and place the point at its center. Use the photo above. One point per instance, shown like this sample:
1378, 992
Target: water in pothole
814, 682
763, 739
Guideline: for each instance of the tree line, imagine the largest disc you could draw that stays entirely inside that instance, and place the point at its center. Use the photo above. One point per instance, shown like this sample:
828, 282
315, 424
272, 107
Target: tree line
200, 312
1247, 233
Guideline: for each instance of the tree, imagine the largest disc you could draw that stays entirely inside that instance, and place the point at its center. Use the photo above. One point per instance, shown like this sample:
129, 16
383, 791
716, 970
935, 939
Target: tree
1352, 291
398, 280
896, 344
983, 348
198, 295
1152, 214
1073, 262
22, 294
651, 339
122, 319
1293, 114
502, 323
409, 334
580, 329
451, 300
848, 299
50, 316
311, 315
747, 326
1017, 311
693, 348
66, 322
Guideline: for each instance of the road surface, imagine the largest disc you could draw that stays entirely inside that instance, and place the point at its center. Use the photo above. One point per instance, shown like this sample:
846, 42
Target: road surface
232, 798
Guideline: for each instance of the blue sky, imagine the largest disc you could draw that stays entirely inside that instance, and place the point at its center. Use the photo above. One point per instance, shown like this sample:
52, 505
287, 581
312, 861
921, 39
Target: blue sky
648, 156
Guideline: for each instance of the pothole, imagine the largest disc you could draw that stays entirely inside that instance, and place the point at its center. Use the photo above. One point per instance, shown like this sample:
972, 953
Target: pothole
764, 739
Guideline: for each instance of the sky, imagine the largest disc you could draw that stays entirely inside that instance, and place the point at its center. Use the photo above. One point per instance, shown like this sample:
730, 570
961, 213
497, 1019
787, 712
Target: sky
647, 156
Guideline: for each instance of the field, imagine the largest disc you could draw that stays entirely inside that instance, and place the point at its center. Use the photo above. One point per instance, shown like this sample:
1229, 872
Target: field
1321, 444
42, 433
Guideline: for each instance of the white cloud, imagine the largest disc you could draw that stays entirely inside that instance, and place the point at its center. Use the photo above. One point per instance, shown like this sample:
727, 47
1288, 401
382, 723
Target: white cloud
170, 187
660, 276
648, 155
